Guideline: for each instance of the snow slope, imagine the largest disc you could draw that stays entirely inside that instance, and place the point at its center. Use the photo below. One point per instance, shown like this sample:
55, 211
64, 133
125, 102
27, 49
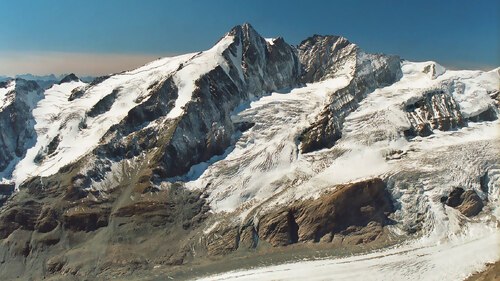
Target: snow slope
264, 169
4, 99
56, 117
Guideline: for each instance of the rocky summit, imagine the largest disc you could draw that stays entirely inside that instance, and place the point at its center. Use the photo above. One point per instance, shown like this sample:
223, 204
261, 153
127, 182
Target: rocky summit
252, 150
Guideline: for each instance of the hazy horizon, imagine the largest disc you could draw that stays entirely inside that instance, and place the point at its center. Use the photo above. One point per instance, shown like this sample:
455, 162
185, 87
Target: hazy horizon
92, 64
93, 38
82, 64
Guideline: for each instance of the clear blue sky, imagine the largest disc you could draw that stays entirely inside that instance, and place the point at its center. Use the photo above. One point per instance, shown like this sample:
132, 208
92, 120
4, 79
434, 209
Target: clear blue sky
456, 33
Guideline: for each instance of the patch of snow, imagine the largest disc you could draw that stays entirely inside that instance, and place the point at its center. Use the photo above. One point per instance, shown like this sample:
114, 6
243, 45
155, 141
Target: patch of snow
193, 69
4, 99
270, 41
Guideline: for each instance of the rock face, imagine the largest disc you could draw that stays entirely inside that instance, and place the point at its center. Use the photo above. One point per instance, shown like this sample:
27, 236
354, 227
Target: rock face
69, 78
344, 214
467, 202
17, 122
255, 67
331, 56
264, 67
436, 110
324, 57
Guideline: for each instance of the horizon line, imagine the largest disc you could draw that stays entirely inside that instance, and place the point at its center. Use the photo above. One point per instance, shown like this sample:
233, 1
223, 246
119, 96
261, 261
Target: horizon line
43, 63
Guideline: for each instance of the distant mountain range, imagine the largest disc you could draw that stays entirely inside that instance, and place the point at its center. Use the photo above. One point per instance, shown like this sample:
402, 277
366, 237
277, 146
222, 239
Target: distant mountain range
45, 81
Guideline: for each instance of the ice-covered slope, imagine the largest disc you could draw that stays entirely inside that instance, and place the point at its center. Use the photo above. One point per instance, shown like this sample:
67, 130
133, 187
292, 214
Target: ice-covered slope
252, 145
419, 171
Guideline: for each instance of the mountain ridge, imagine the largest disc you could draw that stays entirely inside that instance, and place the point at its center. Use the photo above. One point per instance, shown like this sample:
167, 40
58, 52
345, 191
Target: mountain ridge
249, 146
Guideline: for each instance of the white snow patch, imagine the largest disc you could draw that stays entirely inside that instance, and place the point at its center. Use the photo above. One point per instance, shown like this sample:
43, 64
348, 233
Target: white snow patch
4, 99
193, 69
270, 41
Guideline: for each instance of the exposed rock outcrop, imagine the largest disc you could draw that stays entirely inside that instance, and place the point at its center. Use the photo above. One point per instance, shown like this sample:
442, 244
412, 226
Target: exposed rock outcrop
346, 211
17, 122
330, 56
435, 110
69, 78
467, 202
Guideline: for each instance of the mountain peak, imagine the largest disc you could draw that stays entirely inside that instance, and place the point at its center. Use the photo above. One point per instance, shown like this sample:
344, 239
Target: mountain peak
69, 78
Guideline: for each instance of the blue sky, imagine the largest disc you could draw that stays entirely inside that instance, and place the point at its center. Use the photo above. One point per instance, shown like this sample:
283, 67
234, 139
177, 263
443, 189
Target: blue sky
459, 34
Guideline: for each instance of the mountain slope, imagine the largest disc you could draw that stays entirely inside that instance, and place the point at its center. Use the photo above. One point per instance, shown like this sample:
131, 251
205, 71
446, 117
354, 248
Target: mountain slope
247, 147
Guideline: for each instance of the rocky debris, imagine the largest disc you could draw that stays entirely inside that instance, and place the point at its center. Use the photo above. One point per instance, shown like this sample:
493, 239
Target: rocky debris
467, 202
435, 110
69, 78
107, 226
345, 211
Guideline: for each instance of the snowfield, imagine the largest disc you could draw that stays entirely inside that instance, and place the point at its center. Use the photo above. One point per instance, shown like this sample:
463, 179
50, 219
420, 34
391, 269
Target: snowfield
264, 169
58, 118
455, 259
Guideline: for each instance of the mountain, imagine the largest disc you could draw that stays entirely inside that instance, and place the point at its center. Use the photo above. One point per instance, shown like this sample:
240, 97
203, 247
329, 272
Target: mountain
44, 81
254, 152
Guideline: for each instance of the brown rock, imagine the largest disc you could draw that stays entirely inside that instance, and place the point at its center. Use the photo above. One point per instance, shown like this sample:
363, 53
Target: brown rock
47, 221
347, 210
223, 241
355, 204
467, 202
471, 203
279, 228
86, 219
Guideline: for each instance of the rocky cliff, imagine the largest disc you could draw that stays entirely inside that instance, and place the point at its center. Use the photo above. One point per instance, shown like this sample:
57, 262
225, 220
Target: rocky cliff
17, 100
331, 56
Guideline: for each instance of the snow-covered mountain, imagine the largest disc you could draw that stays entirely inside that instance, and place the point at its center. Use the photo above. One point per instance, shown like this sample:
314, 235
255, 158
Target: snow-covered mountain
253, 147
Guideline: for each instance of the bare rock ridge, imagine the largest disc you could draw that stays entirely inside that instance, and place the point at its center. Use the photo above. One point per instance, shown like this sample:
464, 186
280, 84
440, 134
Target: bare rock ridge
69, 78
436, 110
329, 56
